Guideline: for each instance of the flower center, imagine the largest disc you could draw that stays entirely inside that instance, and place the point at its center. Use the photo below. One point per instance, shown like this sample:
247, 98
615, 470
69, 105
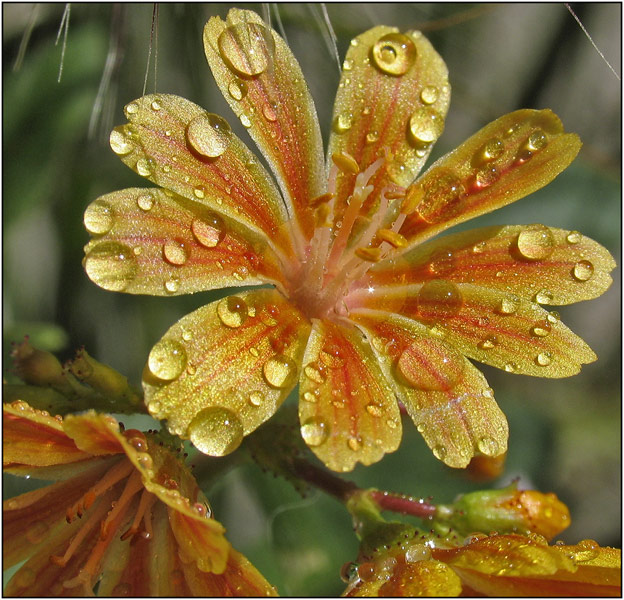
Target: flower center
346, 243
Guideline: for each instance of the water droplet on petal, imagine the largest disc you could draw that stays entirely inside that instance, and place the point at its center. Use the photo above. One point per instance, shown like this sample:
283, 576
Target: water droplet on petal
429, 94
374, 410
511, 367
111, 265
175, 252
426, 125
280, 371
208, 231
347, 65
354, 444
488, 446
310, 397
439, 299
343, 122
583, 270
315, 372
172, 285
438, 198
586, 550
441, 263
245, 120
270, 112
216, 431
486, 176
492, 149
167, 360
372, 137
232, 311
439, 452
541, 328
256, 398
536, 242
98, 217
199, 192
314, 431
131, 109
479, 247
394, 54
332, 356
247, 48
144, 167
509, 305
237, 89
145, 202
544, 296
209, 135
155, 105
488, 343
574, 237
537, 140
417, 552
119, 143
543, 359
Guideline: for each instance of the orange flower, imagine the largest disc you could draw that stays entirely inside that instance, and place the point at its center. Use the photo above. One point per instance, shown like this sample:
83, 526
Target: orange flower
364, 309
496, 565
125, 515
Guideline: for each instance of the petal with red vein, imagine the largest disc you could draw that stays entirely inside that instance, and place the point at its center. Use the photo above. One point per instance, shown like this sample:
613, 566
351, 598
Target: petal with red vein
224, 369
508, 159
347, 410
182, 148
94, 433
148, 241
446, 396
393, 98
548, 265
263, 84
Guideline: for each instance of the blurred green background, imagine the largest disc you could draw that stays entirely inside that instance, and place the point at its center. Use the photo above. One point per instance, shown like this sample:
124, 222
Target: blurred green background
565, 434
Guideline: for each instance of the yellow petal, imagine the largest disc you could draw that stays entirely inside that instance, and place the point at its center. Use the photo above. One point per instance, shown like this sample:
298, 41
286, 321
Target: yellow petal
508, 159
182, 148
224, 369
347, 410
262, 82
148, 241
447, 397
392, 101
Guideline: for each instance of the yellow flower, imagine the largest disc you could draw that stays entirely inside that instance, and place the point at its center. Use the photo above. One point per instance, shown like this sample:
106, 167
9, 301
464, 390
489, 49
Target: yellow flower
125, 515
363, 308
496, 565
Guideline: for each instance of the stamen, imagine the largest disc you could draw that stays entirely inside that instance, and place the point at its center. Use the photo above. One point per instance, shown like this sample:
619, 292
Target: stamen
133, 485
146, 502
392, 237
322, 199
369, 254
345, 162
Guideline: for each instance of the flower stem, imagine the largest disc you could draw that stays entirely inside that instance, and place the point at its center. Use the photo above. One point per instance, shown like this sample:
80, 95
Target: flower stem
324, 480
406, 505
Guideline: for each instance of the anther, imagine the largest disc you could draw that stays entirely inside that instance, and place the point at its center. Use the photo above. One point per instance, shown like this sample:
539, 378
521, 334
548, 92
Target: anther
319, 200
369, 254
392, 237
346, 163
413, 198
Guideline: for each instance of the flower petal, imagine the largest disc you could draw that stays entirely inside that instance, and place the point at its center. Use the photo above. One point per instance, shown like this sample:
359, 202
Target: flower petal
490, 326
180, 147
32, 438
263, 84
548, 265
447, 397
508, 159
347, 410
148, 241
95, 433
224, 369
392, 98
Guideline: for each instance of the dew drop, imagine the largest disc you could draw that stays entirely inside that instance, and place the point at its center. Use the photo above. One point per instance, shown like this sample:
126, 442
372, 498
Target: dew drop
541, 328
119, 143
417, 552
439, 198
391, 423
421, 427
98, 217
430, 365
543, 359
553, 316
145, 202
574, 237
256, 398
488, 446
429, 94
439, 299
442, 263
487, 393
37, 532
511, 367
486, 176
332, 356
270, 112
394, 54
199, 192
237, 89
209, 135
583, 270
544, 296
586, 550
310, 397
315, 372
167, 360
354, 444
314, 431
509, 305
426, 125
492, 149
144, 167
280, 371
247, 48
537, 140
172, 285
536, 242
232, 311
245, 120
269, 315
111, 265
208, 231
374, 410
175, 252
216, 431
439, 452
478, 248
342, 122
488, 343
372, 137
131, 109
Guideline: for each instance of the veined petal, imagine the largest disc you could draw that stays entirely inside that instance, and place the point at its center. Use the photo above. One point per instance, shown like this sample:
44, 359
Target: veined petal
392, 100
262, 82
32, 438
94, 433
544, 264
490, 326
148, 241
182, 148
224, 369
446, 396
347, 410
508, 159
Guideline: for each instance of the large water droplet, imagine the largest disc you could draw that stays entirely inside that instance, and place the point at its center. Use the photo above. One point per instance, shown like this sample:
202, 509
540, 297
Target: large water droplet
208, 231
543, 359
216, 431
232, 311
119, 143
439, 452
439, 198
544, 296
131, 109
488, 446
315, 372
536, 242
175, 252
256, 398
583, 270
144, 167
247, 48
429, 94
394, 53
209, 135
426, 125
537, 140
237, 89
428, 364
586, 550
486, 176
145, 202
417, 552
439, 299
314, 431
98, 217
574, 237
111, 265
167, 360
280, 371
270, 112
509, 305
441, 263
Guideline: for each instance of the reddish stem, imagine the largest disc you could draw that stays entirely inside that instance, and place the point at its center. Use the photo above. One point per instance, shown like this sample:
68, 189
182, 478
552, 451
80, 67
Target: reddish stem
406, 505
